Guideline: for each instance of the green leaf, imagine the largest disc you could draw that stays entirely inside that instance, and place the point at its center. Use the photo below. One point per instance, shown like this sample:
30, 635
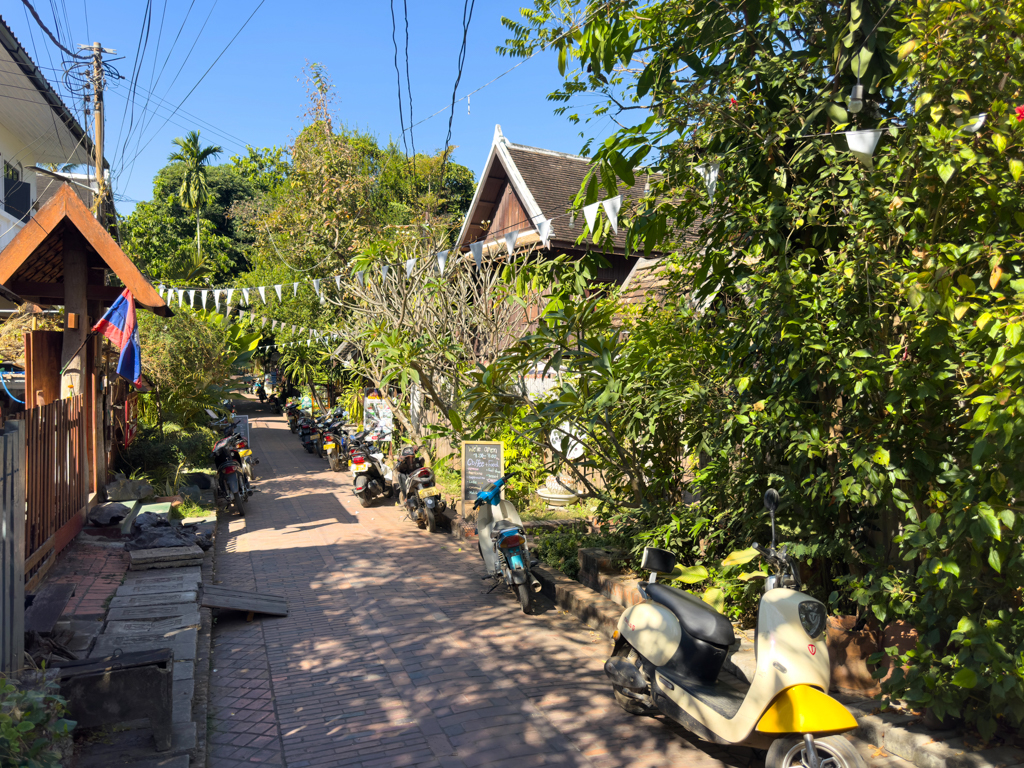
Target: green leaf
995, 560
740, 557
455, 419
1016, 168
745, 576
906, 49
988, 517
881, 457
965, 678
689, 574
837, 113
563, 54
742, 384
714, 597
945, 172
999, 141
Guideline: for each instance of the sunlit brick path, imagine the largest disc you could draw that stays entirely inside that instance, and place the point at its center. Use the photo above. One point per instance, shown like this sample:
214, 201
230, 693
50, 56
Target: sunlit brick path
392, 653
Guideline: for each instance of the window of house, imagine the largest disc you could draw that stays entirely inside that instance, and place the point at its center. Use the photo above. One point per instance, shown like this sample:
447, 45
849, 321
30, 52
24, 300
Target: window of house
17, 193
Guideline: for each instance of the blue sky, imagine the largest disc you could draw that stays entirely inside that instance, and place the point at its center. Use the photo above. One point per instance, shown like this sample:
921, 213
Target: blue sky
254, 95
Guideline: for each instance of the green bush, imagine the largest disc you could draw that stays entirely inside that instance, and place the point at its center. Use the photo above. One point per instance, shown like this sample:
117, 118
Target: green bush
31, 726
560, 549
153, 452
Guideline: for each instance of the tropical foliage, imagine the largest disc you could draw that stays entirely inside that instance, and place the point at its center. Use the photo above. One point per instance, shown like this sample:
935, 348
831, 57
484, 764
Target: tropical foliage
862, 319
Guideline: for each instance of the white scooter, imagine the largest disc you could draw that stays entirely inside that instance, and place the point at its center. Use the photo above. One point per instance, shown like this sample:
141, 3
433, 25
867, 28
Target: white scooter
501, 540
669, 651
371, 476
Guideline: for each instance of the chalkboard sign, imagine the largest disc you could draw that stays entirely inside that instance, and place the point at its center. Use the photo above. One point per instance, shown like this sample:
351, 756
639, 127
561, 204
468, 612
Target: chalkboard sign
482, 464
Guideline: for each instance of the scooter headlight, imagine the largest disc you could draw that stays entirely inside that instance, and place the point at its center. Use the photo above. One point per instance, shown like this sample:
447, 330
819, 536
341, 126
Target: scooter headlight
812, 617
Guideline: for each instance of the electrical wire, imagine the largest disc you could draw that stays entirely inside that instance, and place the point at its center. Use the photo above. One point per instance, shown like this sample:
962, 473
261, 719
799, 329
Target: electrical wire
467, 17
408, 83
39, 21
398, 75
219, 56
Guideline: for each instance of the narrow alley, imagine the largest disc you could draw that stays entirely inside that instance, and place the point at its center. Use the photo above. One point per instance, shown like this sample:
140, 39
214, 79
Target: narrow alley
393, 653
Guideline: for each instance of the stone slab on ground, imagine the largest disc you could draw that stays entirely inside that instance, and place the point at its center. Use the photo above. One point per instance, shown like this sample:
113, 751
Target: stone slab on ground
168, 627
155, 597
141, 557
128, 748
151, 612
185, 574
157, 587
184, 669
182, 644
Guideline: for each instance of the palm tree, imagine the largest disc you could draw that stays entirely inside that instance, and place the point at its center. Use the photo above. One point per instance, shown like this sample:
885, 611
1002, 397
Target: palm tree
194, 192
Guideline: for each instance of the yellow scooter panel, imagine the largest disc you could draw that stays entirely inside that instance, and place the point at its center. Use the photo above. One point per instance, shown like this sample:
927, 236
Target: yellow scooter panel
803, 709
245, 452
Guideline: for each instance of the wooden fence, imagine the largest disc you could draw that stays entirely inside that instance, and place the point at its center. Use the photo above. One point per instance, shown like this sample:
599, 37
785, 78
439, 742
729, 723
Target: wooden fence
56, 482
12, 546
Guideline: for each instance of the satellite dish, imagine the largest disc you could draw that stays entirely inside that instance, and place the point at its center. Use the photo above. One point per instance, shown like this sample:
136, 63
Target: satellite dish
573, 444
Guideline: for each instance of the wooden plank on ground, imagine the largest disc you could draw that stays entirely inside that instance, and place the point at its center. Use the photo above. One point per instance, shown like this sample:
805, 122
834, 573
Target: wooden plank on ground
215, 596
47, 607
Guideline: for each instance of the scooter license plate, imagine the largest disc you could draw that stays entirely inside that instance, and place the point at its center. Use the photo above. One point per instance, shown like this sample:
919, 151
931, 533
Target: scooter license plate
431, 491
330, 447
245, 453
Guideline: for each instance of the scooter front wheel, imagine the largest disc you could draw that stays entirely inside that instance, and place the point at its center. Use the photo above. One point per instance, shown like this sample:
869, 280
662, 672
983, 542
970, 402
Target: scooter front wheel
431, 522
629, 704
833, 752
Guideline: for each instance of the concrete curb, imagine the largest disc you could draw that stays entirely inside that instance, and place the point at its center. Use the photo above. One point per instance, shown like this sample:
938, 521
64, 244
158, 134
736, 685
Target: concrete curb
593, 609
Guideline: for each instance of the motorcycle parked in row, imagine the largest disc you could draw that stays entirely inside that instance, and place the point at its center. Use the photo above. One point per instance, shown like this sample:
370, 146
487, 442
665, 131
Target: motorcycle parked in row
501, 539
371, 476
293, 413
669, 650
231, 476
416, 489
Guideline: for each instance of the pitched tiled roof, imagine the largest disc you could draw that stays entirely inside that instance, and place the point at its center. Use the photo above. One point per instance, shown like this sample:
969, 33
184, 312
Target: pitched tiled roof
554, 179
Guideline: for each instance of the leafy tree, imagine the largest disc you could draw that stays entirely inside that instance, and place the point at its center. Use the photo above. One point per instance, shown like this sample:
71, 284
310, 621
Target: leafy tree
265, 169
866, 315
194, 191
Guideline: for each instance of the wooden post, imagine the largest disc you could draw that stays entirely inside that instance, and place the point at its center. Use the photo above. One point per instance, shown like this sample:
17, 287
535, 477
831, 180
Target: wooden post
74, 354
12, 547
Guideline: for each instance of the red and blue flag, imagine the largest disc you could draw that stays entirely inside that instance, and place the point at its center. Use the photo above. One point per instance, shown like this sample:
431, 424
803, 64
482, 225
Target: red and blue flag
118, 325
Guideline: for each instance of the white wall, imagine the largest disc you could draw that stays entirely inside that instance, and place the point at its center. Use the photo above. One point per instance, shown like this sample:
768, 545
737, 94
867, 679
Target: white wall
15, 152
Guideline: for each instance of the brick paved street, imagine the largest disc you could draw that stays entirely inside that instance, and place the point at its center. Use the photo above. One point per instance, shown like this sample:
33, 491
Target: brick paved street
393, 655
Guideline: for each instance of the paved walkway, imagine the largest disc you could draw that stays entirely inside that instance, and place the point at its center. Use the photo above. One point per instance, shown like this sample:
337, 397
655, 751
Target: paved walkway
394, 655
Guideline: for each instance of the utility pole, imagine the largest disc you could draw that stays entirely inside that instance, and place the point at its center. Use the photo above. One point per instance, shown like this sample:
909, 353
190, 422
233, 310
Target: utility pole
98, 80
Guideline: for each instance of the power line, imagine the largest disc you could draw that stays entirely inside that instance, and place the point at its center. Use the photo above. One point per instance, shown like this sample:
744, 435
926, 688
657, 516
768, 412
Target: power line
46, 29
408, 83
398, 76
467, 17
219, 56
515, 66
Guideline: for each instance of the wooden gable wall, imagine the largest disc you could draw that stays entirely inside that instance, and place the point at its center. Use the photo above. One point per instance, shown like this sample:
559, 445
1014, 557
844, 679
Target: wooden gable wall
509, 214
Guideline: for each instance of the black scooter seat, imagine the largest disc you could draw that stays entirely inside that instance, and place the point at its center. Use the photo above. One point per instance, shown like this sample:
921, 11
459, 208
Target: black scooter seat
502, 525
695, 616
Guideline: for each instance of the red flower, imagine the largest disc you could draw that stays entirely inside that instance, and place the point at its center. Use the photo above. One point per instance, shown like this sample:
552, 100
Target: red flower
1020, 113
733, 102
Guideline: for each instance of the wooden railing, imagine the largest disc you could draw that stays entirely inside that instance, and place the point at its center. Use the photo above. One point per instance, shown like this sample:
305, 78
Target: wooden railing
56, 482
12, 546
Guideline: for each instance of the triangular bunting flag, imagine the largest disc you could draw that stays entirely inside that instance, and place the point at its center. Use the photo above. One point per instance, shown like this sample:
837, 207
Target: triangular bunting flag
231, 292
709, 172
274, 326
359, 279
862, 144
160, 290
295, 289
442, 260
611, 207
544, 230
510, 241
384, 271
191, 297
277, 290
316, 286
245, 296
409, 266
478, 253
216, 299
590, 214
263, 294
337, 282
203, 295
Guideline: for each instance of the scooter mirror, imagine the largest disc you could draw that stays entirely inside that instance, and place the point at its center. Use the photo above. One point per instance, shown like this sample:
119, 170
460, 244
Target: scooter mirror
771, 500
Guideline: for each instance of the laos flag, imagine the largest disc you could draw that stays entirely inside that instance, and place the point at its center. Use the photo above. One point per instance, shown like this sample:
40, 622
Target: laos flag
119, 325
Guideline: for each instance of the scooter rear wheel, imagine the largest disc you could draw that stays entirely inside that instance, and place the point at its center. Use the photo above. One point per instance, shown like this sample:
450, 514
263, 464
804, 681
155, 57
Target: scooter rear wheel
332, 459
364, 501
525, 597
833, 752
